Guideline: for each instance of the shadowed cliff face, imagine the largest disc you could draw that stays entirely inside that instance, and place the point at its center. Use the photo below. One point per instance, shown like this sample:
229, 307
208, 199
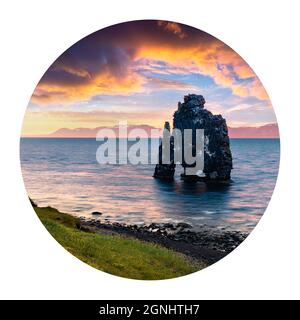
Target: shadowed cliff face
217, 154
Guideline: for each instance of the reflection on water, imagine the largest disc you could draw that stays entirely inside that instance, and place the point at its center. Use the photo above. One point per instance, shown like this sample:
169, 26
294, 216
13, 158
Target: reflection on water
64, 173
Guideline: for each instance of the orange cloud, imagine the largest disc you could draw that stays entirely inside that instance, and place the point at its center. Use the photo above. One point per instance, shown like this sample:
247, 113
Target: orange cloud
215, 60
172, 27
169, 84
103, 83
112, 62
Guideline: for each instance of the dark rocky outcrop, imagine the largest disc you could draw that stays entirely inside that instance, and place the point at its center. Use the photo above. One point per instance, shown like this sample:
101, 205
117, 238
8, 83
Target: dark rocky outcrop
165, 171
191, 114
32, 203
96, 213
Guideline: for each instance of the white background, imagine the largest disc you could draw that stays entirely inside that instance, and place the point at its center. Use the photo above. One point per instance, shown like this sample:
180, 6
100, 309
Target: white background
34, 34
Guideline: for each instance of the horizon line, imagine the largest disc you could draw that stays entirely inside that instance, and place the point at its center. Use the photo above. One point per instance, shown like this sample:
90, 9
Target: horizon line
247, 132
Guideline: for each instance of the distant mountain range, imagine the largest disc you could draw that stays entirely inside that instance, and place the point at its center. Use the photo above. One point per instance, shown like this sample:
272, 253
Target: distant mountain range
92, 132
266, 131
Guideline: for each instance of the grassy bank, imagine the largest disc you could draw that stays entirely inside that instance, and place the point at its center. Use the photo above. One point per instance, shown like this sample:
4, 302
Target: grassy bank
118, 255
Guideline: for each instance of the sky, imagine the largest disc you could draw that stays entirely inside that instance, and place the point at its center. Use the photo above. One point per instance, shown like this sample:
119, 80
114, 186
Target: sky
137, 72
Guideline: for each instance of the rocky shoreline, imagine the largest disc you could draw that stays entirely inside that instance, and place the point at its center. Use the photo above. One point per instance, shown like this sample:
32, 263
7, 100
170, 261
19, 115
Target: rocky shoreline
205, 244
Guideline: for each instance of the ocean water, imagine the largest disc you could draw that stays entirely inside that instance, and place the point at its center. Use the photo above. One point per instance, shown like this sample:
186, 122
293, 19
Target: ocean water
64, 173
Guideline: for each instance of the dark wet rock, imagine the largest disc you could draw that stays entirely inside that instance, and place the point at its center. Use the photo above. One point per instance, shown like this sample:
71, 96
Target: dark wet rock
153, 226
164, 170
217, 158
32, 203
169, 226
202, 243
96, 213
184, 225
191, 114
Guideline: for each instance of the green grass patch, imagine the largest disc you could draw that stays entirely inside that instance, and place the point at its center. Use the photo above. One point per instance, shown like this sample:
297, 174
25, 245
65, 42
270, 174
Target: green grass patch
118, 255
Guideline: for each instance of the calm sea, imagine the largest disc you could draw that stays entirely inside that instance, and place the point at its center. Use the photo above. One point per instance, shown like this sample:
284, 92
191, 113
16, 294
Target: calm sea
64, 173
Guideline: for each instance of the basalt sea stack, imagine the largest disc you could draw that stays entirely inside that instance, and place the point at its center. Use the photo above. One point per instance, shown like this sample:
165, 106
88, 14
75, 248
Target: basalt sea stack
217, 154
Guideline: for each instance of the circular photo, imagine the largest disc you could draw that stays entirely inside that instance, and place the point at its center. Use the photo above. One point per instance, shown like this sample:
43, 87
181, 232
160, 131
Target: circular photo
149, 150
